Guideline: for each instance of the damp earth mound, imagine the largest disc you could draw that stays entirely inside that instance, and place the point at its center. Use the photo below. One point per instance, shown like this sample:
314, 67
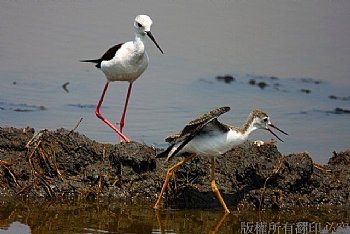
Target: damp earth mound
64, 164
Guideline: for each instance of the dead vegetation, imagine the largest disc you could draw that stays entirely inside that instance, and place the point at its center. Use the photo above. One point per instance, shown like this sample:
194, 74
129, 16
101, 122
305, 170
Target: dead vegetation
63, 164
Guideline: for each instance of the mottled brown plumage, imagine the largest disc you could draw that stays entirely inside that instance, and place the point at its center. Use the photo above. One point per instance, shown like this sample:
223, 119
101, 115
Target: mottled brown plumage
208, 137
199, 123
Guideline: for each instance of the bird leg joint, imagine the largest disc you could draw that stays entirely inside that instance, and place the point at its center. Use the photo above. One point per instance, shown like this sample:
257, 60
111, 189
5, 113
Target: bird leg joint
214, 187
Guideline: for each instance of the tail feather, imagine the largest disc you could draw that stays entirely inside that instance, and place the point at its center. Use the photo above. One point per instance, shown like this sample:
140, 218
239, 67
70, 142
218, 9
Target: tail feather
165, 153
98, 61
90, 61
170, 152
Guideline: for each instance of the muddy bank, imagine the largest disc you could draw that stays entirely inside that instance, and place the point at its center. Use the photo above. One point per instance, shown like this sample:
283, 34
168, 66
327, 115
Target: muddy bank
63, 164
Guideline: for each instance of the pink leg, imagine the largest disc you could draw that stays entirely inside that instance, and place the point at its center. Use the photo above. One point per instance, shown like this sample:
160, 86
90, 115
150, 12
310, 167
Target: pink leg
121, 124
98, 114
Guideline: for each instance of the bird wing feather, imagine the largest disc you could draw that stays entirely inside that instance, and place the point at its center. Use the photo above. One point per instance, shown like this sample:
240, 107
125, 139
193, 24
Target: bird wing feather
192, 129
108, 55
199, 122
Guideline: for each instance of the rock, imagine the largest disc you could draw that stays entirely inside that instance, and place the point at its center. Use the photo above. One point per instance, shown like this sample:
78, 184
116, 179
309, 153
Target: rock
307, 91
339, 110
262, 84
227, 79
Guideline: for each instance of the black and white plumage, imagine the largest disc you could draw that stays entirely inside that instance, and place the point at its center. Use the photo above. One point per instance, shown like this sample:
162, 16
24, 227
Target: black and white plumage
205, 135
125, 62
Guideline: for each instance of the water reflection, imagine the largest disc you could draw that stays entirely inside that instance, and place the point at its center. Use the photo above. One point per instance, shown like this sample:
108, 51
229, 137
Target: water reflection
218, 224
215, 228
15, 227
196, 222
120, 217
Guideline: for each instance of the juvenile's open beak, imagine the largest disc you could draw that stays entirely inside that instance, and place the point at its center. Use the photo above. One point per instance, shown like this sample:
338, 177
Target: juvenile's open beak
271, 125
149, 34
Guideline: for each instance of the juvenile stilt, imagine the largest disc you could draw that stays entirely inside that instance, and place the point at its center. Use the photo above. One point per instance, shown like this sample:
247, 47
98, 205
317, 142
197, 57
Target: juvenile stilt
208, 137
169, 174
215, 188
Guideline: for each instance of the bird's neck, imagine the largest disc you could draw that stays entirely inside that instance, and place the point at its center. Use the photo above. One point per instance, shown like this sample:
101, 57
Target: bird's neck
139, 42
139, 38
248, 127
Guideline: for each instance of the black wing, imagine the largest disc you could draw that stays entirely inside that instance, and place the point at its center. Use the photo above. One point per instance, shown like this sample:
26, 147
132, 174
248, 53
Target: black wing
110, 53
190, 131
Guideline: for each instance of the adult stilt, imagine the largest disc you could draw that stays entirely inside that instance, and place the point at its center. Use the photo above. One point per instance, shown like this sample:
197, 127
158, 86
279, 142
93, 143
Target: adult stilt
125, 62
122, 121
99, 115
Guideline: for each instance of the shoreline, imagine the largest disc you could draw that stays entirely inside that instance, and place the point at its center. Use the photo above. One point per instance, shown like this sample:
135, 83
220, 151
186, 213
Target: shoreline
64, 164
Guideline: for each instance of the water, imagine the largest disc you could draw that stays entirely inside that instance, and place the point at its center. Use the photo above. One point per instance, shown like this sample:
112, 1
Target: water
304, 44
102, 217
42, 42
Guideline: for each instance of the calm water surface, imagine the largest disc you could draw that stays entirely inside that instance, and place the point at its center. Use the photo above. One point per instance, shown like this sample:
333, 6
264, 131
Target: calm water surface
42, 42
101, 217
299, 48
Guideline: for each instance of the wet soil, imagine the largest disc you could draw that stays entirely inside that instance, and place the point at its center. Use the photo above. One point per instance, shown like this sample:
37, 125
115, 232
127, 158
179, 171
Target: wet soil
65, 164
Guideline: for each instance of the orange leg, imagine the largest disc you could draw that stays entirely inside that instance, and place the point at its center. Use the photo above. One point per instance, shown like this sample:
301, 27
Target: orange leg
215, 188
169, 174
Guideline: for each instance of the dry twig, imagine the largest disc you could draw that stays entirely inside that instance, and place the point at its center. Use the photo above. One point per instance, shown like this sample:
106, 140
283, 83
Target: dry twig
76, 126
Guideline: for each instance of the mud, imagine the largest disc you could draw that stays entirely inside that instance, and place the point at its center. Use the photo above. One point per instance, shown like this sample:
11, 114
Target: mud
64, 164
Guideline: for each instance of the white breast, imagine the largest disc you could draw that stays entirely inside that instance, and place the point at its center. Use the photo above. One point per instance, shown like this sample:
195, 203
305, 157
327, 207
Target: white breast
128, 64
214, 144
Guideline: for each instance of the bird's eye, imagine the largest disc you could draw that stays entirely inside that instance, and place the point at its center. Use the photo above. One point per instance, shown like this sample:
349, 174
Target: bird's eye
140, 25
265, 119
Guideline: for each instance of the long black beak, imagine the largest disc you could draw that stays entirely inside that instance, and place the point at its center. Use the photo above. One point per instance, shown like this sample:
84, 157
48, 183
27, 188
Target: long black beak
149, 34
271, 125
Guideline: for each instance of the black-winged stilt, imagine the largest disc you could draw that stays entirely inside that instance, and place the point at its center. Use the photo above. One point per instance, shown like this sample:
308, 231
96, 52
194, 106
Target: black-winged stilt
208, 137
125, 62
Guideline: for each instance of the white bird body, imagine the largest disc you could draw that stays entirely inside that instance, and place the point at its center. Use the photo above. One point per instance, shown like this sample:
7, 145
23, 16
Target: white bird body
129, 62
208, 137
214, 143
125, 62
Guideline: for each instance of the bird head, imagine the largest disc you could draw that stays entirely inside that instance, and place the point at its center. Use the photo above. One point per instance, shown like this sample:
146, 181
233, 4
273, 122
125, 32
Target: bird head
142, 26
262, 121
